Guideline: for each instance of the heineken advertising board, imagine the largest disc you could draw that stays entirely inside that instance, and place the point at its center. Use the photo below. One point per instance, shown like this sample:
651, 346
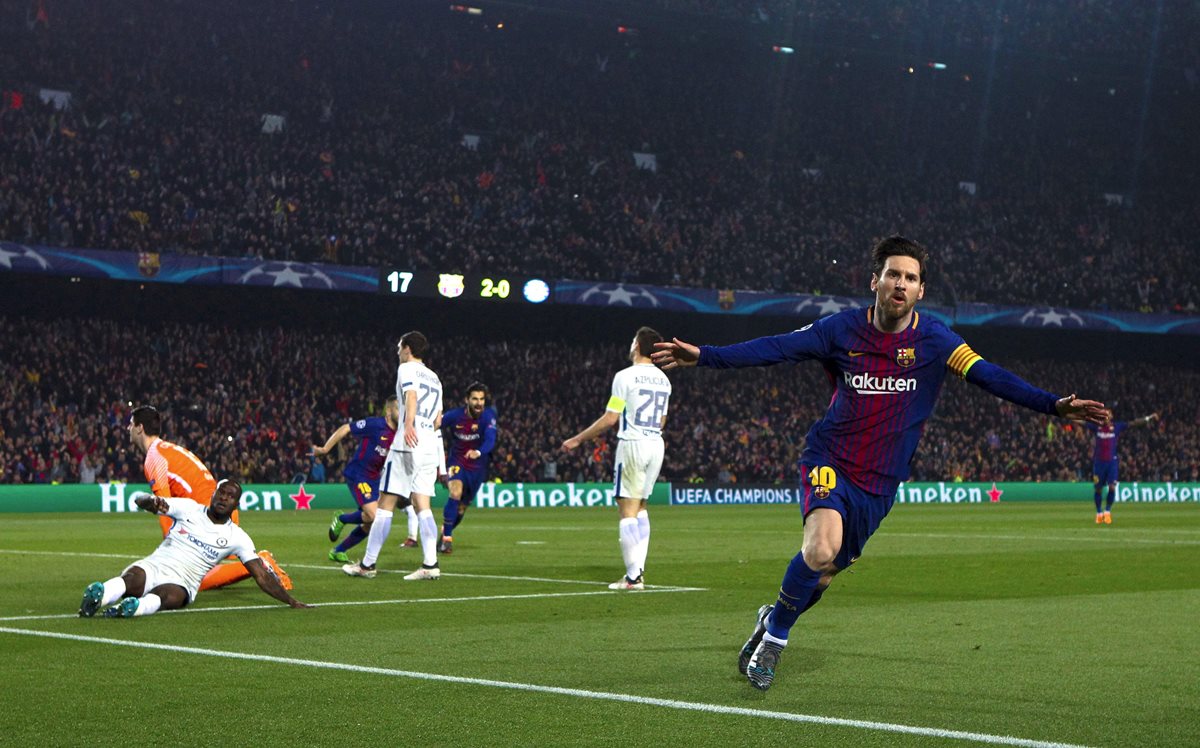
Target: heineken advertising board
117, 497
982, 493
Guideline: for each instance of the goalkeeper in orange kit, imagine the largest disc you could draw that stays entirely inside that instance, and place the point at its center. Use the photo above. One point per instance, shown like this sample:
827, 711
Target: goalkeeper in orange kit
174, 472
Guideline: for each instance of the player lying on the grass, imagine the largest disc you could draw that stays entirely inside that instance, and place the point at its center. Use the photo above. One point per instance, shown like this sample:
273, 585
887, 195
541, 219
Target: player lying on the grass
168, 579
886, 365
1104, 459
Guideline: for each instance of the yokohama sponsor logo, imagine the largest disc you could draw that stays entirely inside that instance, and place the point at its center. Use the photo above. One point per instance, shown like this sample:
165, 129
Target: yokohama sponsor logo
867, 384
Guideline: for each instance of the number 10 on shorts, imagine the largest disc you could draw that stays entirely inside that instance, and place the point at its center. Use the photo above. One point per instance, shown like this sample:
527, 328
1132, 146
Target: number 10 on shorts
823, 480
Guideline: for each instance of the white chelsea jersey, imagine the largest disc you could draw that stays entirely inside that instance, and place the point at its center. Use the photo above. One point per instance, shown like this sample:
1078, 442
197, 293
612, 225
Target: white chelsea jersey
640, 393
195, 544
418, 378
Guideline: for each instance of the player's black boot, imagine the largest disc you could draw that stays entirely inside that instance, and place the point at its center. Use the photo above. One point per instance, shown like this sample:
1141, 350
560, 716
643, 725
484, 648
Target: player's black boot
760, 627
761, 669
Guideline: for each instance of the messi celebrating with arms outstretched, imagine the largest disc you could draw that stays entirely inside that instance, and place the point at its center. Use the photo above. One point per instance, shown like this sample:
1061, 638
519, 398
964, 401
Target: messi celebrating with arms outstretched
886, 364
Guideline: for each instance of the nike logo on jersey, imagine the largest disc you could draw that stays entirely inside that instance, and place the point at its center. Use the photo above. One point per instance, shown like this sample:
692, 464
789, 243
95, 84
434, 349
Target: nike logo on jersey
856, 354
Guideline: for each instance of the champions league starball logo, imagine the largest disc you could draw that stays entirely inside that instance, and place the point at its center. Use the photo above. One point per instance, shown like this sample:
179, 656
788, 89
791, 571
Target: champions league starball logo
621, 296
20, 257
824, 305
1051, 318
286, 274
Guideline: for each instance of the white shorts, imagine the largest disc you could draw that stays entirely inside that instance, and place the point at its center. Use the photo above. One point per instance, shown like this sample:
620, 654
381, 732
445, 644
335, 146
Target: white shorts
636, 468
406, 473
158, 573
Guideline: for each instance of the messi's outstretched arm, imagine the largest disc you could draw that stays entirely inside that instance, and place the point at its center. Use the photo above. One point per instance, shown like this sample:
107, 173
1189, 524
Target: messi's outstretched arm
798, 345
1008, 386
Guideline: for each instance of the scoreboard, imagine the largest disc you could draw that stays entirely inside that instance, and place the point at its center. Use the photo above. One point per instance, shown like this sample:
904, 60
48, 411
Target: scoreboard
499, 288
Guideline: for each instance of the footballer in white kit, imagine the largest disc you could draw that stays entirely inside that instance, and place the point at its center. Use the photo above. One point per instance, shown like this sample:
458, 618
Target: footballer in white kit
192, 547
640, 394
413, 462
199, 538
413, 468
638, 407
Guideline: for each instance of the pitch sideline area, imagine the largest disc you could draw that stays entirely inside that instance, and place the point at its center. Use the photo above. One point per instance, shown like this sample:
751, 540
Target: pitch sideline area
1002, 645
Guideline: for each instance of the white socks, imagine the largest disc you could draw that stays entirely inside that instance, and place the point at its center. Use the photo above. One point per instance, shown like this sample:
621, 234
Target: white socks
630, 540
643, 520
429, 534
413, 522
114, 590
148, 605
378, 536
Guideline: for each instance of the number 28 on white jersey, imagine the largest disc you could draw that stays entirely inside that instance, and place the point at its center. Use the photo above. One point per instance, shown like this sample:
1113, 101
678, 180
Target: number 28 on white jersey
640, 394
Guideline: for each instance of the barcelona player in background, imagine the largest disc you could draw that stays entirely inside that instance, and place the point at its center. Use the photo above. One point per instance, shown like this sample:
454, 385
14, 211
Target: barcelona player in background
886, 364
1104, 459
176, 473
374, 436
472, 431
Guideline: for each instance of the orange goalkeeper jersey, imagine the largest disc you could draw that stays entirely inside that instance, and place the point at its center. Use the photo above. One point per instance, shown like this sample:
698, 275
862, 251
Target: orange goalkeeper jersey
174, 472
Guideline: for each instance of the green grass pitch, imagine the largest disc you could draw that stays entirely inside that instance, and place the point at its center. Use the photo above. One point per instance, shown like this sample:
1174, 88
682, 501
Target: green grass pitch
1019, 620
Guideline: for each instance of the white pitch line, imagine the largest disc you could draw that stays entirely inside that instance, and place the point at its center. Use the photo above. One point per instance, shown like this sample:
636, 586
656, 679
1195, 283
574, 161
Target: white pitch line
501, 576
690, 706
66, 553
1114, 540
404, 601
673, 588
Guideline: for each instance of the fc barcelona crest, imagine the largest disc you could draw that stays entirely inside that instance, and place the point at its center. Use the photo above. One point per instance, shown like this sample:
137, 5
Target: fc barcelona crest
149, 263
451, 286
906, 356
726, 300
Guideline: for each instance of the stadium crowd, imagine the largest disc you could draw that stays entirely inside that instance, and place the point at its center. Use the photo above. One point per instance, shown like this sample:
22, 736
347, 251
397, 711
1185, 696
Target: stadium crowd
251, 402
781, 187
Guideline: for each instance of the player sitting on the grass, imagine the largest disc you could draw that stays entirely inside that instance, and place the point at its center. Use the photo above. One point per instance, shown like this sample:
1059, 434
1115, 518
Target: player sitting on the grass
472, 432
174, 472
362, 474
168, 579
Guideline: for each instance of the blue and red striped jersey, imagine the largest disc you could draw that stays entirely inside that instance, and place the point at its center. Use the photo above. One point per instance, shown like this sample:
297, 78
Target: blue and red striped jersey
375, 437
885, 386
467, 433
1106, 440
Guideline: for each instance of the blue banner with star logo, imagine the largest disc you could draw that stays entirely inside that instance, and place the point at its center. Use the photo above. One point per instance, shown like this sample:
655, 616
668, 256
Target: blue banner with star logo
234, 271
191, 269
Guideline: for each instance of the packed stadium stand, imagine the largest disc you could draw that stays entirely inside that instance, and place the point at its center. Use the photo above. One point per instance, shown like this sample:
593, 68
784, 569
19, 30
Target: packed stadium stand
770, 171
1032, 162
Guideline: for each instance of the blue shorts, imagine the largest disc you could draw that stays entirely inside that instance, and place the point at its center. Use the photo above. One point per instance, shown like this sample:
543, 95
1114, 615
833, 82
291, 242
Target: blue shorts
364, 490
861, 511
471, 481
1104, 472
